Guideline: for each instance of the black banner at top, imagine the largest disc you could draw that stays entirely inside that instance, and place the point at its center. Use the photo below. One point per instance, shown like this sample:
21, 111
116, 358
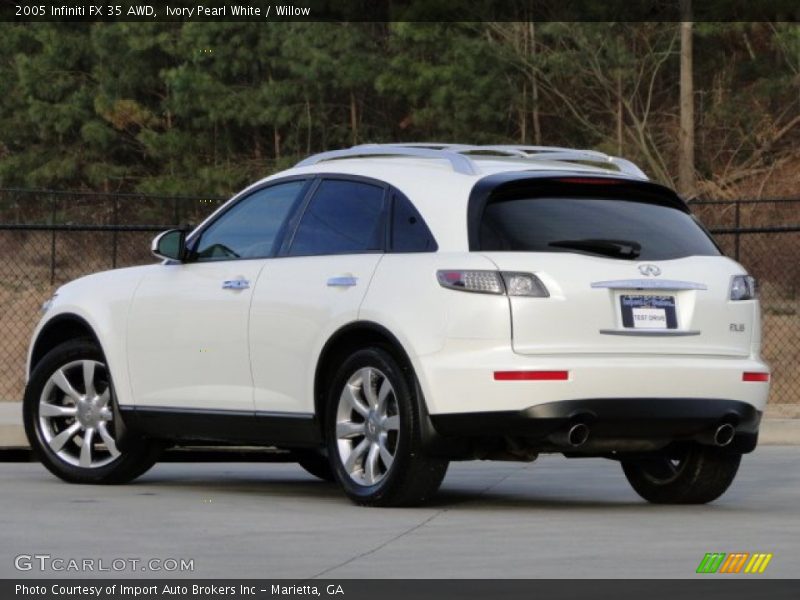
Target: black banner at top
400, 10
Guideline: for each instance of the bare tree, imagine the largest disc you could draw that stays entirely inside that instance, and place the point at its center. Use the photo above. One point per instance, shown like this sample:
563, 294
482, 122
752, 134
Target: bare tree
686, 170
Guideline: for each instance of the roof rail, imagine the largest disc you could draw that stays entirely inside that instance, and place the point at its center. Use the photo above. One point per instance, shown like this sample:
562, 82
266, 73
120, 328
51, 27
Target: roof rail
459, 162
458, 155
570, 154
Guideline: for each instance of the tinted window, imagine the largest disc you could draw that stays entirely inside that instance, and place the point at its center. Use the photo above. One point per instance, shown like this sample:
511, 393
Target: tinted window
409, 231
343, 217
250, 228
599, 226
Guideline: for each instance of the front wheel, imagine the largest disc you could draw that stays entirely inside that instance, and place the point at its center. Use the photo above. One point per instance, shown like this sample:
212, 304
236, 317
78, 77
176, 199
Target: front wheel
690, 475
70, 418
373, 433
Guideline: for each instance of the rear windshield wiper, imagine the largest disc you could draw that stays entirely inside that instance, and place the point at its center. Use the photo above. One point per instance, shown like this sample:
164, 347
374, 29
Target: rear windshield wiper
612, 248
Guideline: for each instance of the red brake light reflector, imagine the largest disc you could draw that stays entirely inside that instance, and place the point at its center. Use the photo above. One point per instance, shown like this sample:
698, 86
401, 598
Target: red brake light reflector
749, 376
592, 180
531, 375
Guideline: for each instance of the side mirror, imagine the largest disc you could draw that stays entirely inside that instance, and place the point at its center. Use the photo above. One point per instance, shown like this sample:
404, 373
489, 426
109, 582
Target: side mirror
170, 245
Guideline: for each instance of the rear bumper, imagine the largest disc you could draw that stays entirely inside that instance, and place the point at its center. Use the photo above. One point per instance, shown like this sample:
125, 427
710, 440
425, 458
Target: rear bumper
615, 424
460, 378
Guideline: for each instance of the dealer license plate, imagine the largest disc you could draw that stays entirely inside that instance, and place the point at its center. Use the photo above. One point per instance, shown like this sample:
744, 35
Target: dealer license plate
648, 312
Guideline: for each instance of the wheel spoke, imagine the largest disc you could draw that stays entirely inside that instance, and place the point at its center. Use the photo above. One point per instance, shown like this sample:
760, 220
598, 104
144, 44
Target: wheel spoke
105, 397
383, 396
88, 377
58, 442
86, 448
357, 453
371, 472
55, 410
60, 379
368, 387
392, 423
386, 456
349, 429
111, 445
349, 395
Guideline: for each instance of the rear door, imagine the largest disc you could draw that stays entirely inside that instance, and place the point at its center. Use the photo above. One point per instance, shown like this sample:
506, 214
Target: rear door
627, 272
314, 287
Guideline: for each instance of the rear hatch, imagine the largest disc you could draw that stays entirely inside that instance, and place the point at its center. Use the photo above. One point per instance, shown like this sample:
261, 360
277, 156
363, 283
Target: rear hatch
627, 268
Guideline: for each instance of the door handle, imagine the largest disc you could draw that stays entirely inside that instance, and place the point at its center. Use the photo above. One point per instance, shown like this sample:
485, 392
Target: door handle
343, 281
235, 284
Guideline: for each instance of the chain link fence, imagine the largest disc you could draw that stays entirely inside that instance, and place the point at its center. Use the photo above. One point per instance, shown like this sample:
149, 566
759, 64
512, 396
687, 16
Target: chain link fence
48, 238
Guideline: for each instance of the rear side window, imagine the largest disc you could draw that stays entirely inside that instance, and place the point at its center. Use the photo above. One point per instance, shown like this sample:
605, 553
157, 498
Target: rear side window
409, 231
616, 228
343, 217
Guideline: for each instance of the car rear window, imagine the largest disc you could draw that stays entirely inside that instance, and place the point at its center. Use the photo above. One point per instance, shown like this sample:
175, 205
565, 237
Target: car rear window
601, 226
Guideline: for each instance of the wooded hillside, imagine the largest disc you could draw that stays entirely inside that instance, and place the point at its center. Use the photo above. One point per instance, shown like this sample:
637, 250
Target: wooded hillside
204, 108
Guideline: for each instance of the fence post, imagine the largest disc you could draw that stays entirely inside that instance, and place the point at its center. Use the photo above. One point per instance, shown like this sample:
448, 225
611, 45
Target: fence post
737, 236
53, 241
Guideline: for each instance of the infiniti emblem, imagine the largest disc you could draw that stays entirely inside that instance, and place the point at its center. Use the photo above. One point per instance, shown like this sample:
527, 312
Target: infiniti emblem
649, 270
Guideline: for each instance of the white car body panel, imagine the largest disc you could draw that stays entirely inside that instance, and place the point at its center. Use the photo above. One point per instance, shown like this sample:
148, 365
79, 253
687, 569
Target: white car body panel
102, 300
187, 336
295, 311
572, 318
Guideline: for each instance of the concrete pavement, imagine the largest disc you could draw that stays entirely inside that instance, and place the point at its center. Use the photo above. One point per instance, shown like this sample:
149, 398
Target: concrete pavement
552, 518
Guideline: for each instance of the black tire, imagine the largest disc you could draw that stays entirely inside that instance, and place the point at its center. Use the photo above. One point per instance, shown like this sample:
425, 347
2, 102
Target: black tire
690, 475
412, 477
135, 456
315, 461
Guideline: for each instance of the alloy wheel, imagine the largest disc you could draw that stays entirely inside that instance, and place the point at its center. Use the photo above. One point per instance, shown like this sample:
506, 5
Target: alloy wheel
367, 426
76, 416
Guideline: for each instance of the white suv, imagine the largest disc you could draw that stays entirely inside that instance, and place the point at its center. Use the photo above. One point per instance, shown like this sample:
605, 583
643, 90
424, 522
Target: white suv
383, 310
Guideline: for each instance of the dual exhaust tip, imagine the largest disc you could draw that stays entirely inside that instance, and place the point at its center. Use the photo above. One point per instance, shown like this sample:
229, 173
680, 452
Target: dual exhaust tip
578, 434
724, 434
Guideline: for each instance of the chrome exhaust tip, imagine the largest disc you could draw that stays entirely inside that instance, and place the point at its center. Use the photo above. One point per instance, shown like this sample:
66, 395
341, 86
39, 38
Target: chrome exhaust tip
724, 434
577, 435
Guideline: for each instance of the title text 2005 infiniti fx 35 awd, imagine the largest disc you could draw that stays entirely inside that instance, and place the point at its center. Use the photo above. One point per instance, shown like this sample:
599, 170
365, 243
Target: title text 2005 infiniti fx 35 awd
383, 310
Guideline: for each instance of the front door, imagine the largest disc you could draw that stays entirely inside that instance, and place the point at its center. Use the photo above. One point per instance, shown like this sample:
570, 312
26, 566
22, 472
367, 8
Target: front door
188, 334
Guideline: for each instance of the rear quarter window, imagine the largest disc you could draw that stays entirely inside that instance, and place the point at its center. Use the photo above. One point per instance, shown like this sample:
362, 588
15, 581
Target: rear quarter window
614, 227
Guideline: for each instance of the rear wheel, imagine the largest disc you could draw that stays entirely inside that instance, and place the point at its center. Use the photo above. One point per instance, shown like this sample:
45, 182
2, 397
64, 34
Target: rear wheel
374, 436
690, 475
71, 419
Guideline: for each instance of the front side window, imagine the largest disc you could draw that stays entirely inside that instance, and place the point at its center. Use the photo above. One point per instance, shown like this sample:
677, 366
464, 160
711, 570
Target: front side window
251, 227
343, 217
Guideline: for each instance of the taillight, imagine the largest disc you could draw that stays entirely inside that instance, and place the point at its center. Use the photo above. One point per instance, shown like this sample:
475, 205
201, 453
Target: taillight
482, 282
743, 287
493, 282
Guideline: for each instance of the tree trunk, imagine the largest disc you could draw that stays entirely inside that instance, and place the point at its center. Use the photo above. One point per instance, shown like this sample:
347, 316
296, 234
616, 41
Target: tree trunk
537, 129
619, 113
686, 170
353, 117
523, 117
310, 125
